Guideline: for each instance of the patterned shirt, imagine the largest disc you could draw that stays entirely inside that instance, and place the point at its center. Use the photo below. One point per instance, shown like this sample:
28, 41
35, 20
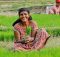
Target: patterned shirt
54, 10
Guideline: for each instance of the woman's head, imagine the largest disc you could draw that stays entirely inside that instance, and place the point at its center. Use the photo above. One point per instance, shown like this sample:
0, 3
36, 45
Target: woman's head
24, 14
23, 9
57, 2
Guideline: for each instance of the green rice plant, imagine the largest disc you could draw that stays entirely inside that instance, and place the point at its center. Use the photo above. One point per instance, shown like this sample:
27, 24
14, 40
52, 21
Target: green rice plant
46, 21
28, 30
1, 36
54, 32
6, 36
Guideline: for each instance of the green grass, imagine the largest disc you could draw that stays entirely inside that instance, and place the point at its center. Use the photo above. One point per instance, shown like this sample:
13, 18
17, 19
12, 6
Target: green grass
47, 20
42, 20
46, 52
7, 20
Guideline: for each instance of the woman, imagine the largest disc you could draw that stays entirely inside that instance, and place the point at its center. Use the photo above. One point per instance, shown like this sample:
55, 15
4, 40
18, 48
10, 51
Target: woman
36, 39
55, 9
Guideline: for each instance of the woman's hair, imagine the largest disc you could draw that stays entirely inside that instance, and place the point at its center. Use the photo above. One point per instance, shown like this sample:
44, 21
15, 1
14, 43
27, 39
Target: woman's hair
19, 11
23, 9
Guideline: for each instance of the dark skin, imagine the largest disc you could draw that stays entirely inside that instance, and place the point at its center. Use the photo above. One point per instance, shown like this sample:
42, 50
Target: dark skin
57, 4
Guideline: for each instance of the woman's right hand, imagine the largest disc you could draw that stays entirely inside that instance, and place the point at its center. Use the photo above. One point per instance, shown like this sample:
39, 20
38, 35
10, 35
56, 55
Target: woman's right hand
29, 39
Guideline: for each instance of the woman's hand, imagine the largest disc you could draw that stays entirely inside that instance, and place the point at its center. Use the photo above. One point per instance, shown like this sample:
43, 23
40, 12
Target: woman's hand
29, 39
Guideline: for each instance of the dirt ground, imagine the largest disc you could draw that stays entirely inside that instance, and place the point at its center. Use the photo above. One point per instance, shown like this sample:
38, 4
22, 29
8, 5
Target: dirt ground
53, 42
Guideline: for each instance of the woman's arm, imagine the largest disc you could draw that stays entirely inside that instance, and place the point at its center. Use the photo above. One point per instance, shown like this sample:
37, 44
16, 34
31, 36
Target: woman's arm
33, 32
17, 35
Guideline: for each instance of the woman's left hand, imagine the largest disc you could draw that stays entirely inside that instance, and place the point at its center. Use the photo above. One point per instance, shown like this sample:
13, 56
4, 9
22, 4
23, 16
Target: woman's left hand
29, 39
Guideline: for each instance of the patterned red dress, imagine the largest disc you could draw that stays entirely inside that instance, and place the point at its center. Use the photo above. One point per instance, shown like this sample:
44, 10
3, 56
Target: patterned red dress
39, 39
54, 10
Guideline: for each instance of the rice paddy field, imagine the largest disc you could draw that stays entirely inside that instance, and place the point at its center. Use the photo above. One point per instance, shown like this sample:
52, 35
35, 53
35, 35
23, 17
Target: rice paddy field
50, 22
25, 3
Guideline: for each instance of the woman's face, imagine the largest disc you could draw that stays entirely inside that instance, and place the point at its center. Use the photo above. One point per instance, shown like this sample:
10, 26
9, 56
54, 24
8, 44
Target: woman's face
58, 4
24, 16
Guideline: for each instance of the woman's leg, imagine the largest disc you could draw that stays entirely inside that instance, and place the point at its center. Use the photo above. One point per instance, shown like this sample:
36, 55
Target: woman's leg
41, 37
18, 47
